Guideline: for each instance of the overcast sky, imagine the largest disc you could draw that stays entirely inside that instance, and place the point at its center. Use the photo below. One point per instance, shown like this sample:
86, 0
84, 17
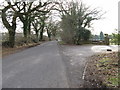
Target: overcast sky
110, 22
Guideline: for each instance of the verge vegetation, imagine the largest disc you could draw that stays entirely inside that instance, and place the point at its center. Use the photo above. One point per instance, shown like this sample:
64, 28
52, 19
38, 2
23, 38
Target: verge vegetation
102, 71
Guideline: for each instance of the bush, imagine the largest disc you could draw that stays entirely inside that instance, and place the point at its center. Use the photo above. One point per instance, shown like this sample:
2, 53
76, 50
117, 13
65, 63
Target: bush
21, 40
6, 44
115, 39
5, 37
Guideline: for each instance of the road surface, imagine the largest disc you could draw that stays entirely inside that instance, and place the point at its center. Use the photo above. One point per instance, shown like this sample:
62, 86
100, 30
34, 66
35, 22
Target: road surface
47, 66
37, 67
75, 59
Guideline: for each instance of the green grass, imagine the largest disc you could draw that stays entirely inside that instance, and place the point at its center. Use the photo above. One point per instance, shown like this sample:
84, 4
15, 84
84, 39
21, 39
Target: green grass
104, 60
61, 42
112, 81
103, 63
108, 65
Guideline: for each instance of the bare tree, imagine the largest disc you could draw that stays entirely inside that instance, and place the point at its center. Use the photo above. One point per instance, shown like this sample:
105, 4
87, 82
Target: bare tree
75, 20
24, 10
52, 29
11, 26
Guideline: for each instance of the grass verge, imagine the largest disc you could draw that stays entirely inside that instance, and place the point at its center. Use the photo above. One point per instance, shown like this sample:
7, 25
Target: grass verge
7, 51
102, 71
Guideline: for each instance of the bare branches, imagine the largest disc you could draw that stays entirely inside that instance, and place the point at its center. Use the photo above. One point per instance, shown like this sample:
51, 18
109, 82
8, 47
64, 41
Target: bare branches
76, 20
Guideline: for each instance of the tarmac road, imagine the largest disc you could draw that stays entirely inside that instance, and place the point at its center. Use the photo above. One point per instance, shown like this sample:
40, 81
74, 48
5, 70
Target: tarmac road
47, 66
37, 67
75, 59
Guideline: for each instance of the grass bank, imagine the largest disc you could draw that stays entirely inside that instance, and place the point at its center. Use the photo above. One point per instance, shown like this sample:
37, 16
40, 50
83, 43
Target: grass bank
7, 50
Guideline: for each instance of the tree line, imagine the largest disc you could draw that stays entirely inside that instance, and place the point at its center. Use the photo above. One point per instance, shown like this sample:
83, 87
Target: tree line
76, 22
73, 26
30, 14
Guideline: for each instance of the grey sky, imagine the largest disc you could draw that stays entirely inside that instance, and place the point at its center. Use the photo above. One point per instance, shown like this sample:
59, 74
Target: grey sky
110, 23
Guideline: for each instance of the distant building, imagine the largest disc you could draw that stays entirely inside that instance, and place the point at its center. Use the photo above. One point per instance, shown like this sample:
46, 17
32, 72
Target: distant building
101, 36
95, 38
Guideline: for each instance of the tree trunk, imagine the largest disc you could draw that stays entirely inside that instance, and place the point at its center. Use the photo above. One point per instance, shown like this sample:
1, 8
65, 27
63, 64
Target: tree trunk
25, 29
29, 26
41, 33
11, 38
78, 41
37, 36
49, 35
11, 28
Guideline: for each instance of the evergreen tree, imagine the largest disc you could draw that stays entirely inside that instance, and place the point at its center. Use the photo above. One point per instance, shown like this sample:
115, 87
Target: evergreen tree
101, 36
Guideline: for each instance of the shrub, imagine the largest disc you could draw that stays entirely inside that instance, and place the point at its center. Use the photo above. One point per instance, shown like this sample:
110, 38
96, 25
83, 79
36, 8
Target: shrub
5, 43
